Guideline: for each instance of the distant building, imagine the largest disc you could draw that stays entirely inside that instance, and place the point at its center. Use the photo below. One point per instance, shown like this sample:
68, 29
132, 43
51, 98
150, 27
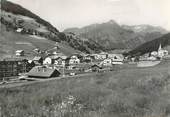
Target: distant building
37, 50
59, 61
53, 51
100, 56
8, 69
117, 59
162, 52
107, 62
38, 60
56, 60
96, 68
19, 30
73, 59
13, 66
88, 58
19, 53
43, 72
154, 53
48, 61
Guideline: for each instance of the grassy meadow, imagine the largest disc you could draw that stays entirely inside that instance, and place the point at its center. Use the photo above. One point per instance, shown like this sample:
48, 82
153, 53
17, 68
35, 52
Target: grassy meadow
133, 92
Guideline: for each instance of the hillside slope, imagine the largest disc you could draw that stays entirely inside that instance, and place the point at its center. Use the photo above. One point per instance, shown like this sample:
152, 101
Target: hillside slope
152, 45
11, 41
18, 10
20, 25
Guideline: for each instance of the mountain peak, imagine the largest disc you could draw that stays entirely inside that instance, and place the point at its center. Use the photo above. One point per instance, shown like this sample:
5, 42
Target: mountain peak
112, 22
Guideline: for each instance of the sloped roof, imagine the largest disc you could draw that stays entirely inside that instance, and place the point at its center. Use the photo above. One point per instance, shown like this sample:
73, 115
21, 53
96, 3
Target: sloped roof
95, 65
42, 72
36, 58
19, 51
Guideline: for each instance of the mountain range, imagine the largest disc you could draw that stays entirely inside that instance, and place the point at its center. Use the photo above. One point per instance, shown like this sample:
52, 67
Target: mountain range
111, 35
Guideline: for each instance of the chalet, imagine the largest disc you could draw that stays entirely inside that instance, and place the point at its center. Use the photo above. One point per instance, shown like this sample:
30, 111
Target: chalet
107, 62
154, 53
100, 56
73, 59
96, 68
49, 60
59, 61
54, 60
38, 60
117, 59
37, 50
43, 72
88, 58
19, 53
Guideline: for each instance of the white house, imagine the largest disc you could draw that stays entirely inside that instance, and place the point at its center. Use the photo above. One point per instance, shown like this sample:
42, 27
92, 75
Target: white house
19, 53
72, 60
154, 53
19, 30
106, 62
55, 59
100, 56
47, 61
59, 61
117, 59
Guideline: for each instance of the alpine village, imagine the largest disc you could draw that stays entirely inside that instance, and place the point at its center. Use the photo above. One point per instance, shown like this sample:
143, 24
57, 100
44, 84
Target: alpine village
81, 67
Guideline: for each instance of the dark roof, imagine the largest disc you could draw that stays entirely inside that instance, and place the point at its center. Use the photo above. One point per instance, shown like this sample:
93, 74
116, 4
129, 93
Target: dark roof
43, 72
95, 65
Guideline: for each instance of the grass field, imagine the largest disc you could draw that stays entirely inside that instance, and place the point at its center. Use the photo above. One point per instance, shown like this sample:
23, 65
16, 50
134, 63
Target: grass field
134, 92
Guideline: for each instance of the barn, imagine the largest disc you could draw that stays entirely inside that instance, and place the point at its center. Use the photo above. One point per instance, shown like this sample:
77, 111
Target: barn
43, 72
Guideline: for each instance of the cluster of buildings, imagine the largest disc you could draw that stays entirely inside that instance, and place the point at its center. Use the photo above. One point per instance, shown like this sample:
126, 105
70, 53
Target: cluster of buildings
155, 55
57, 64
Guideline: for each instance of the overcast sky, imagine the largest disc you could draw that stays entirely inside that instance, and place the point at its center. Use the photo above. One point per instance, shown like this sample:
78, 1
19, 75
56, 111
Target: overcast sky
77, 13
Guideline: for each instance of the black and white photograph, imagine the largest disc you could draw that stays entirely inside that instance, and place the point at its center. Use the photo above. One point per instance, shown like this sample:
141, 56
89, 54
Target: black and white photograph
84, 58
